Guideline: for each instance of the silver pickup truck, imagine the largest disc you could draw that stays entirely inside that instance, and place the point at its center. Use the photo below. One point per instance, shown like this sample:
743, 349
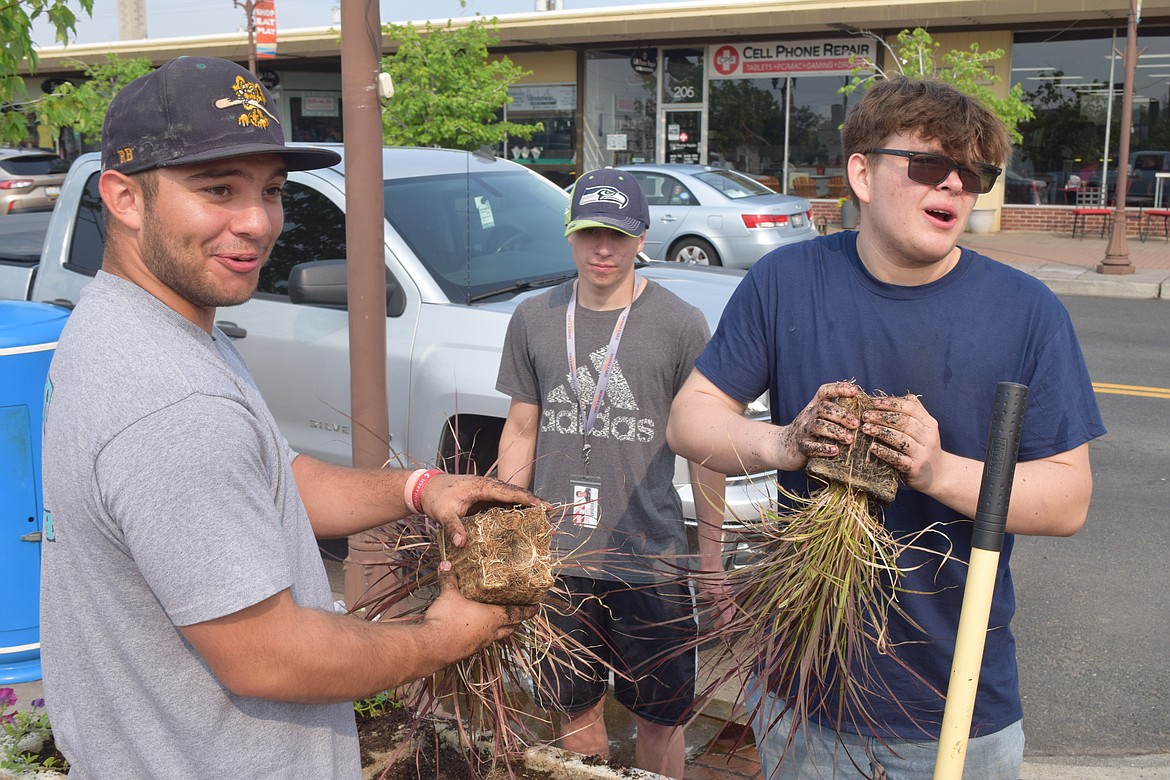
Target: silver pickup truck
467, 237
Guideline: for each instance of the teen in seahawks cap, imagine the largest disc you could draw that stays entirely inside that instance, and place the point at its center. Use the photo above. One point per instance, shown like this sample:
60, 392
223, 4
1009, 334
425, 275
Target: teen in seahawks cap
608, 198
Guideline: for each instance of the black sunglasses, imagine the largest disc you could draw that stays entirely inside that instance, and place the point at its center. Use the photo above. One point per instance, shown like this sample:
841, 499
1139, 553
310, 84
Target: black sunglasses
930, 168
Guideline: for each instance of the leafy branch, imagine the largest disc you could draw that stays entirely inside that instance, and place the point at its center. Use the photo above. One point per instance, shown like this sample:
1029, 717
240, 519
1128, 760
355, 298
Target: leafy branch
916, 56
447, 93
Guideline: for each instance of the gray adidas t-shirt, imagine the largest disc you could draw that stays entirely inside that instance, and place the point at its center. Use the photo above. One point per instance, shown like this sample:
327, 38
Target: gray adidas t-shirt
640, 513
170, 500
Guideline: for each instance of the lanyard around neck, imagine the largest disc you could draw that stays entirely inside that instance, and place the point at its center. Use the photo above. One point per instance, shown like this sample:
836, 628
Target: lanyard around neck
589, 418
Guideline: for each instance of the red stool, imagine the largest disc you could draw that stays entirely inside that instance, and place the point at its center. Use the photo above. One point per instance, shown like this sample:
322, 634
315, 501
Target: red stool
1081, 216
1144, 230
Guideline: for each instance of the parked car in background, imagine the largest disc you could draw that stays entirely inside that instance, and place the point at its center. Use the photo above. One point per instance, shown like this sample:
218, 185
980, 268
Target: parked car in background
1021, 189
1143, 181
30, 180
712, 216
467, 237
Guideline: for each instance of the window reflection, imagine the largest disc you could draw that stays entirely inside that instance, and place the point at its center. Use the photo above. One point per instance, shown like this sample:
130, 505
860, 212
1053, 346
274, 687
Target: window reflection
1076, 86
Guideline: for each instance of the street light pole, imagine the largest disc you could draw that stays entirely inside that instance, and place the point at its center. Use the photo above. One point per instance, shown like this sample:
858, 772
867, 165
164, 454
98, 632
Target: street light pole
1117, 254
249, 7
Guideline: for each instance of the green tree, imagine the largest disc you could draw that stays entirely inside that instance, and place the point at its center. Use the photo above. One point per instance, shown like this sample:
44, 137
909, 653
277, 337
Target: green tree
446, 92
965, 69
16, 45
83, 106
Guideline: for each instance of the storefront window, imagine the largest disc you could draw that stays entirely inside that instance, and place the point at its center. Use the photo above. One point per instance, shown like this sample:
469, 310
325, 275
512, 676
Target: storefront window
550, 150
682, 76
776, 110
1075, 82
619, 107
747, 126
316, 116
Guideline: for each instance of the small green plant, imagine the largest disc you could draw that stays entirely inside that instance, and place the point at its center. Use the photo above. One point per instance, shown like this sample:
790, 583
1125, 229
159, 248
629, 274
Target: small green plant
26, 735
376, 705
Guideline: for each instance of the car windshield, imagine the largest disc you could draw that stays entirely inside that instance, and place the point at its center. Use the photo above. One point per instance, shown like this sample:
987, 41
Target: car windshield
732, 184
484, 232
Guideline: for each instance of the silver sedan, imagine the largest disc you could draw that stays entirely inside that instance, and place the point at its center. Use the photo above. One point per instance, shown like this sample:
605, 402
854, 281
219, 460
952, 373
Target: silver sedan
713, 216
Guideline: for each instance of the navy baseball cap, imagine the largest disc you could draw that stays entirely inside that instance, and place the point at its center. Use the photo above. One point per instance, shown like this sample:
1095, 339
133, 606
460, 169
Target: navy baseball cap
193, 110
608, 198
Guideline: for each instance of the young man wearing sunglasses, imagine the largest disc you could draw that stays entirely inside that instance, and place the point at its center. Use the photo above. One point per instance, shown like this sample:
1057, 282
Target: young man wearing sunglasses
901, 309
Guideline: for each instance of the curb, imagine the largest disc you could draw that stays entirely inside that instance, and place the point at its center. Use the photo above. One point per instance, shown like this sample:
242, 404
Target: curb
1075, 280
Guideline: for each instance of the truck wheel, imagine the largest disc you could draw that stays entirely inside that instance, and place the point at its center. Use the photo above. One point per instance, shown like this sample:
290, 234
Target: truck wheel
695, 251
470, 444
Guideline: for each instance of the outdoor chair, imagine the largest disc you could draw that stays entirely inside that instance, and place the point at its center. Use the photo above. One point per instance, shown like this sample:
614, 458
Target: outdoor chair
838, 188
1089, 203
804, 187
1144, 218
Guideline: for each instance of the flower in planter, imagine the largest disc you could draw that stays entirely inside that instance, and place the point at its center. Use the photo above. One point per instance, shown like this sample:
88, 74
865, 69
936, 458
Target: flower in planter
25, 736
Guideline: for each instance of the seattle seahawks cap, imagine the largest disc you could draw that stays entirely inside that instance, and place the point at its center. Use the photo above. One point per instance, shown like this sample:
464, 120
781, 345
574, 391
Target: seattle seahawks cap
608, 198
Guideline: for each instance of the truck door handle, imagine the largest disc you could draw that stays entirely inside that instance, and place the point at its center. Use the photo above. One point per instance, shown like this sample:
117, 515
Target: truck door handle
231, 329
35, 536
669, 218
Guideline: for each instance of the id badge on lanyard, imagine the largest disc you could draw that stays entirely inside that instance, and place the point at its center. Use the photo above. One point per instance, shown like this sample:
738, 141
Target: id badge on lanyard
585, 489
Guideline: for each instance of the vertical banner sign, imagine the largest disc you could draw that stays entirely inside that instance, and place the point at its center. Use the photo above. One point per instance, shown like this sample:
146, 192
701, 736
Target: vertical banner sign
264, 17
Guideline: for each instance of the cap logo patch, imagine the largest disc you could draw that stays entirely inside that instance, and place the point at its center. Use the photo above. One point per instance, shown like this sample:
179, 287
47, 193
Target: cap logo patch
250, 96
604, 194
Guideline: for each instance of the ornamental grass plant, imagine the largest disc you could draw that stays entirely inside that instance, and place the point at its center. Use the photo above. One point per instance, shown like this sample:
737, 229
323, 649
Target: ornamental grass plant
813, 601
492, 698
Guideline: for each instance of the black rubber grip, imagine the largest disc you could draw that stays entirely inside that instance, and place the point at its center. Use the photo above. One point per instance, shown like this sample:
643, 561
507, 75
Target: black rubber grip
999, 466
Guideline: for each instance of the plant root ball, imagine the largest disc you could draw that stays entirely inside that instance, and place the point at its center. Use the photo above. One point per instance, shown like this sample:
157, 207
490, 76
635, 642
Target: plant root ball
505, 559
854, 465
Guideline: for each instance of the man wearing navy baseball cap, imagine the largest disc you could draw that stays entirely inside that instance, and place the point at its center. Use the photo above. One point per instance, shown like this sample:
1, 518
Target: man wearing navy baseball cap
609, 198
591, 367
187, 625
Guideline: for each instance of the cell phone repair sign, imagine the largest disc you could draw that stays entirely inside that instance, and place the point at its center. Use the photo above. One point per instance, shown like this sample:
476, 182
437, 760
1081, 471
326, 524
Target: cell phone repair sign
777, 58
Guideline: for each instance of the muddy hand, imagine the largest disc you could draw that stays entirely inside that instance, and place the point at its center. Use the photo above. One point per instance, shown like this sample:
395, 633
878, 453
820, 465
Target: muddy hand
472, 625
906, 437
451, 497
823, 422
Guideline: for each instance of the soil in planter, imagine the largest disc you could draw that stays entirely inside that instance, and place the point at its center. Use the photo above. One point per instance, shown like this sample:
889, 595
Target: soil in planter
506, 558
434, 758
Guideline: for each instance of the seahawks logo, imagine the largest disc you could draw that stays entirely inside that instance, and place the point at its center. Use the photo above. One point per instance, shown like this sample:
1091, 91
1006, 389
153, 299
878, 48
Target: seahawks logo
604, 194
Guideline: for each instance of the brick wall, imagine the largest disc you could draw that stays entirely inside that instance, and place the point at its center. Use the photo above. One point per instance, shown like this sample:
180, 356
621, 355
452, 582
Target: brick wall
1040, 219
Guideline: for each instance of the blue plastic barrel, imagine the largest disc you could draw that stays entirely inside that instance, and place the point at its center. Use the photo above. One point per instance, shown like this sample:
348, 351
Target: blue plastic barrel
28, 336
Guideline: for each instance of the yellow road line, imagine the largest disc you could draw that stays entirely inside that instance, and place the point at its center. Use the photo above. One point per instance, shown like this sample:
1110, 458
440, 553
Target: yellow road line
1135, 390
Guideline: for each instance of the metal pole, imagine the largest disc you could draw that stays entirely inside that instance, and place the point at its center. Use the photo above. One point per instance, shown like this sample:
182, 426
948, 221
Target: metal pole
249, 7
995, 491
361, 59
1117, 254
1108, 115
787, 120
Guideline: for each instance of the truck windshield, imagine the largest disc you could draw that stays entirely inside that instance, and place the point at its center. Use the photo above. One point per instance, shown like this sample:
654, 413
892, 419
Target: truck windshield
482, 232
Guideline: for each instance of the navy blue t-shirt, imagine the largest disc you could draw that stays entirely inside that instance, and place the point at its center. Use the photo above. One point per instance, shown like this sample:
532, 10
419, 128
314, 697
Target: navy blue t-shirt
809, 314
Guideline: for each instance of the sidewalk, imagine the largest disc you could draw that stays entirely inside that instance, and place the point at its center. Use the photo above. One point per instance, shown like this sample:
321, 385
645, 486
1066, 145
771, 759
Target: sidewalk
1069, 265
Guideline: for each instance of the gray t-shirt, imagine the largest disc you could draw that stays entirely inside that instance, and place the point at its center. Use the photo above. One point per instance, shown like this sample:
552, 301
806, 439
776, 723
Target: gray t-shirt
170, 500
640, 513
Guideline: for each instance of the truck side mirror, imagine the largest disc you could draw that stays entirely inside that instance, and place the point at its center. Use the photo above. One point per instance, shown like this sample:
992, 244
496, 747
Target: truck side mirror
323, 283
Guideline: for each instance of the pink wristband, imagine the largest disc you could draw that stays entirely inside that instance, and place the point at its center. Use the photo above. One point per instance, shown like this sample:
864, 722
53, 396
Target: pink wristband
408, 487
418, 480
